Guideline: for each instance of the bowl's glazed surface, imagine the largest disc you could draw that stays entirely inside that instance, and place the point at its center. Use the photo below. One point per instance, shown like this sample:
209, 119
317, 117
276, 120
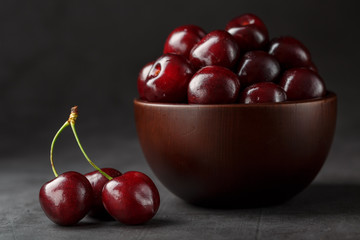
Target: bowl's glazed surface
240, 154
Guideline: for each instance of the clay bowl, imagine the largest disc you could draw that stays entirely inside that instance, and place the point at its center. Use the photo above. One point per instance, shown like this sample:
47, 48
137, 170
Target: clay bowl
242, 154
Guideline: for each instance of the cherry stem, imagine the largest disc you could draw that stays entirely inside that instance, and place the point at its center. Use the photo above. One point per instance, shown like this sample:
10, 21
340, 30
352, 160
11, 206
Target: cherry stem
66, 124
72, 119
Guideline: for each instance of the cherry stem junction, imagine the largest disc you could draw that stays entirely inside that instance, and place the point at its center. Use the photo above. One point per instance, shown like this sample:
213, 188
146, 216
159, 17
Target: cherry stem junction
72, 118
71, 121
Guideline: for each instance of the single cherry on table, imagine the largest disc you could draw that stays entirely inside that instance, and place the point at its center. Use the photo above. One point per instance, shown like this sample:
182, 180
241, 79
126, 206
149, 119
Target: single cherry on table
66, 199
97, 181
131, 198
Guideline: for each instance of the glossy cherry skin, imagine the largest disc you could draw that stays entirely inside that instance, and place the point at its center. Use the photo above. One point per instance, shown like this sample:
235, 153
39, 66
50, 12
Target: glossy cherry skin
216, 48
131, 198
263, 92
67, 198
249, 38
168, 79
141, 81
213, 85
257, 66
97, 181
182, 39
290, 52
302, 83
248, 20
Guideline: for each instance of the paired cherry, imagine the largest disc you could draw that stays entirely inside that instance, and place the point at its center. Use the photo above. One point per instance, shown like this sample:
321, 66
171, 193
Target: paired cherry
71, 195
263, 92
67, 198
182, 39
242, 48
97, 181
213, 84
131, 198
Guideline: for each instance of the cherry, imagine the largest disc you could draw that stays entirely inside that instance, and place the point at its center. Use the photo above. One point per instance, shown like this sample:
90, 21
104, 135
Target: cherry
257, 66
302, 83
67, 198
182, 39
131, 198
142, 78
248, 20
290, 52
216, 48
212, 85
97, 181
263, 92
168, 79
249, 38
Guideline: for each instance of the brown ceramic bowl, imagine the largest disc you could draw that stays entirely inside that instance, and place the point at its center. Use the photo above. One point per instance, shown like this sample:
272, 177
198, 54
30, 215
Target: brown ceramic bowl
243, 154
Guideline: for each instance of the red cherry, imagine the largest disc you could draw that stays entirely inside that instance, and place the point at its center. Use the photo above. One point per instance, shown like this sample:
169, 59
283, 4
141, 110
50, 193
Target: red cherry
182, 39
141, 81
290, 52
263, 92
213, 85
131, 198
168, 79
216, 48
302, 83
257, 66
248, 20
249, 38
97, 181
67, 198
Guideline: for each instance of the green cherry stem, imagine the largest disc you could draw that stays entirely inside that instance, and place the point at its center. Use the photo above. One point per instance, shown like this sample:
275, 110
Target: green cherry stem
66, 124
72, 119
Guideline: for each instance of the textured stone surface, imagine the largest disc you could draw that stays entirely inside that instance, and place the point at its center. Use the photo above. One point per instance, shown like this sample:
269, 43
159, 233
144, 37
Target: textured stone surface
328, 209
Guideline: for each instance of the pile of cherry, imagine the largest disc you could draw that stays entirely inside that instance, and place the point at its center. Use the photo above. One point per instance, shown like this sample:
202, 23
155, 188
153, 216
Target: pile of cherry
131, 198
235, 65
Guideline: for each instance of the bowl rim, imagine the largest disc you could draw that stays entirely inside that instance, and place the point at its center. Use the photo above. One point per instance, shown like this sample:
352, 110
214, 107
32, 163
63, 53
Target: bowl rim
328, 97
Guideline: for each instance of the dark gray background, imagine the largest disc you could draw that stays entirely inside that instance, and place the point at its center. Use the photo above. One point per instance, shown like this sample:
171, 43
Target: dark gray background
60, 53
56, 54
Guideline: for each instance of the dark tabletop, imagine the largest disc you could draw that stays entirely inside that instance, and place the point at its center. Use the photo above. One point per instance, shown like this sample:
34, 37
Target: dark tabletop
328, 209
